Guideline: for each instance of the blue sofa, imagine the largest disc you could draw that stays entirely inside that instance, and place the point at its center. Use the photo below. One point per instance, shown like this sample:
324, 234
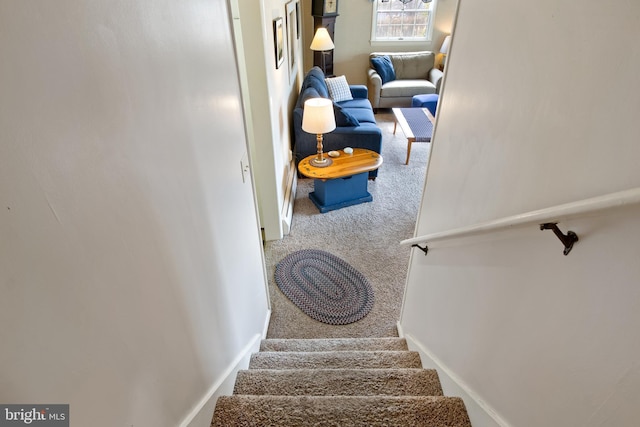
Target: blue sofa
355, 122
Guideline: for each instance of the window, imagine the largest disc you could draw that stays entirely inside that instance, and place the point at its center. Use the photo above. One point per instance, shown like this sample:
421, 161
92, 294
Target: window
402, 20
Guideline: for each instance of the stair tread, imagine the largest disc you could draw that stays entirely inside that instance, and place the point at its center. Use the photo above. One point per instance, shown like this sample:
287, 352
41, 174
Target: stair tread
334, 344
338, 359
424, 411
334, 382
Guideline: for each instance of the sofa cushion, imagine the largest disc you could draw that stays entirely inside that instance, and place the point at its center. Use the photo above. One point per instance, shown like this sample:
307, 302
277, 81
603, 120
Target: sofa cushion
383, 66
363, 115
308, 93
316, 72
356, 103
406, 88
315, 79
344, 118
319, 85
338, 89
413, 65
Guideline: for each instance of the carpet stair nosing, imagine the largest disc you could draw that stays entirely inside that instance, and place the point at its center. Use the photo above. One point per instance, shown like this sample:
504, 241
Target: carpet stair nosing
335, 344
338, 359
339, 382
419, 411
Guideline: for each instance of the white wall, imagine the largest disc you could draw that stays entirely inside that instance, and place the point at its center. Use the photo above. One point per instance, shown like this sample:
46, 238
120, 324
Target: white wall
131, 269
269, 94
547, 115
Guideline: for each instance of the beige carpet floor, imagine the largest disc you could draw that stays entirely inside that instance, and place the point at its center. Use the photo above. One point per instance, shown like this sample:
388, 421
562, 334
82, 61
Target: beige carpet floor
367, 236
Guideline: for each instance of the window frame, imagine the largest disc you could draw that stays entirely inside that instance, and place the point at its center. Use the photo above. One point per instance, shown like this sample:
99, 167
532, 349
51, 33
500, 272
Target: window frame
399, 40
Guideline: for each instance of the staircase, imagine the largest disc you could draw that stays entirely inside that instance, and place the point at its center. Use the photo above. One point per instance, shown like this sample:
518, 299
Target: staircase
338, 382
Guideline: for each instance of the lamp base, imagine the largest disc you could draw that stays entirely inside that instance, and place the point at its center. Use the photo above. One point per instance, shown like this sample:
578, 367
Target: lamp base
321, 163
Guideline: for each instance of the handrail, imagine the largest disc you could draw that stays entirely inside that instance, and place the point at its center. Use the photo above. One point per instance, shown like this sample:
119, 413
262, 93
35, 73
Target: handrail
548, 215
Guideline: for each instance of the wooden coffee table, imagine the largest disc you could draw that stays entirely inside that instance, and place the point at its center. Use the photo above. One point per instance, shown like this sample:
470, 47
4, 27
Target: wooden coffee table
344, 182
416, 123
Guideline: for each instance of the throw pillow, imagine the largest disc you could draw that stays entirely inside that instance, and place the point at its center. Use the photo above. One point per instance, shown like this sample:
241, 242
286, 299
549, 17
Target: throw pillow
339, 89
308, 94
383, 65
343, 117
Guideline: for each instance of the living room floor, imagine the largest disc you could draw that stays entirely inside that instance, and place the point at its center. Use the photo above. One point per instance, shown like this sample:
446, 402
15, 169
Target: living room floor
367, 236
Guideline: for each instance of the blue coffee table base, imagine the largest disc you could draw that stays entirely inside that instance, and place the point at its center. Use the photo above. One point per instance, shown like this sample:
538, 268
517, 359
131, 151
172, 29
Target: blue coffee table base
332, 194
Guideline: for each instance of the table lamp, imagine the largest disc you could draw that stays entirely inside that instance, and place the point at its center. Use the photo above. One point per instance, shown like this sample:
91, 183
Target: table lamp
444, 49
322, 42
318, 117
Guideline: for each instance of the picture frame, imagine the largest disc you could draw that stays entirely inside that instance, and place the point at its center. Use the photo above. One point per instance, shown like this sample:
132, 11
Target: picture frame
292, 36
278, 39
298, 23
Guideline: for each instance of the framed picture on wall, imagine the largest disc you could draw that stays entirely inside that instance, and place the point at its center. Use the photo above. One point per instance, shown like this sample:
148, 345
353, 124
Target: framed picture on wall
278, 38
298, 23
292, 37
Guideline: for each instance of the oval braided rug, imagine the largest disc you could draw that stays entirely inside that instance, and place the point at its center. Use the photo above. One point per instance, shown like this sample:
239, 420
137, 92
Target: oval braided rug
324, 286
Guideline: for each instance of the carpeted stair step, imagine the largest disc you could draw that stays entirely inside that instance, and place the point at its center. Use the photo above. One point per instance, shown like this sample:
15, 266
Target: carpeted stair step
355, 411
335, 360
334, 344
339, 382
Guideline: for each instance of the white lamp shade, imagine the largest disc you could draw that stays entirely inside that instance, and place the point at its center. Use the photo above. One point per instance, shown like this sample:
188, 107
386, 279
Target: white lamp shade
322, 40
318, 116
445, 45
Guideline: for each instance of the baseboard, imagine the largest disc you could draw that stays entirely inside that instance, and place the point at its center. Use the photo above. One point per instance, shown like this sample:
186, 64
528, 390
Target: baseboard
267, 321
400, 330
201, 415
480, 413
289, 199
